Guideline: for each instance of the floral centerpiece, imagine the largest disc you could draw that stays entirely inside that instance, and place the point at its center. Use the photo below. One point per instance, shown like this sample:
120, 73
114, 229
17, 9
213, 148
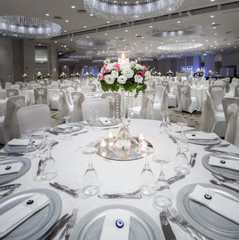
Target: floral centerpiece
198, 73
169, 73
128, 76
210, 73
48, 76
39, 76
77, 75
24, 76
63, 75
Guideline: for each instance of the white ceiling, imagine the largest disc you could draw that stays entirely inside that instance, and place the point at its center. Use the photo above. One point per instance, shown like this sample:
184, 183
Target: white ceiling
221, 37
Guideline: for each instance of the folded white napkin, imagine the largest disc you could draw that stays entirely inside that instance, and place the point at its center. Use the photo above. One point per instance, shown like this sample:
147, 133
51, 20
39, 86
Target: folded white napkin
224, 163
110, 230
105, 121
10, 168
218, 203
73, 128
201, 136
18, 214
19, 142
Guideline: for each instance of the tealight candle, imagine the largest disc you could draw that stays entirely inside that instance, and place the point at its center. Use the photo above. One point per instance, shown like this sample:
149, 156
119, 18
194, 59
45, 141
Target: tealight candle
110, 144
110, 135
103, 143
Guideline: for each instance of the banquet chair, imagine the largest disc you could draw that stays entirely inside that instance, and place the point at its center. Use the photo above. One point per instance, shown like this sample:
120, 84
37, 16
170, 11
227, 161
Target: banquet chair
15, 86
86, 89
53, 96
65, 107
231, 110
68, 90
172, 99
3, 94
12, 92
8, 123
32, 86
235, 80
236, 92
115, 103
162, 105
212, 120
185, 101
100, 106
217, 94
211, 81
40, 95
76, 114
33, 117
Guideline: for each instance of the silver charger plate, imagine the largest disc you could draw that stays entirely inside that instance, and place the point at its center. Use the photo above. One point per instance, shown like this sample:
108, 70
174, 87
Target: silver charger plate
142, 226
204, 219
35, 226
225, 172
18, 149
205, 142
26, 164
79, 126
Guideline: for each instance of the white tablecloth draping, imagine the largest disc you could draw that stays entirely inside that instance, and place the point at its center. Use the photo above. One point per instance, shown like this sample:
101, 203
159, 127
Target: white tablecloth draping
116, 176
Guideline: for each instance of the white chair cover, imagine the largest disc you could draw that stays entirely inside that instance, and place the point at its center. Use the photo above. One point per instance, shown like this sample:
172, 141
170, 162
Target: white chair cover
86, 89
68, 90
231, 109
65, 107
12, 92
102, 106
40, 95
162, 105
115, 103
3, 94
217, 94
8, 124
33, 117
78, 98
147, 107
236, 94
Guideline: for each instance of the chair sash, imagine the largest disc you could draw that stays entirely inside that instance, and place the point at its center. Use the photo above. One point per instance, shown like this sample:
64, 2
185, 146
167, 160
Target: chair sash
77, 114
231, 131
64, 105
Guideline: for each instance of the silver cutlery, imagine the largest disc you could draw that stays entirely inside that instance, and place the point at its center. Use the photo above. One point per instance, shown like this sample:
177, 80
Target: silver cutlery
174, 216
193, 159
40, 165
53, 231
66, 189
188, 130
80, 132
10, 186
4, 154
175, 178
126, 196
210, 149
166, 227
69, 226
108, 128
224, 179
224, 185
172, 138
11, 190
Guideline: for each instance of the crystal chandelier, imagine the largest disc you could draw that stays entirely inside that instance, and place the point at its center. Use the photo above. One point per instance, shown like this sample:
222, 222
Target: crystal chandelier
180, 47
132, 10
28, 27
95, 42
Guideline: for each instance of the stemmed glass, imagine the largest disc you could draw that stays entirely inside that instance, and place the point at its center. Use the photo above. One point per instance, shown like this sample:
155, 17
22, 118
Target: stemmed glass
182, 162
147, 180
67, 133
164, 126
91, 185
49, 170
163, 197
183, 144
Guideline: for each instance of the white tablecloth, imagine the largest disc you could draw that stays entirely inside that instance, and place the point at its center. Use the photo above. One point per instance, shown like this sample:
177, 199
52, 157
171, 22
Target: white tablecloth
116, 176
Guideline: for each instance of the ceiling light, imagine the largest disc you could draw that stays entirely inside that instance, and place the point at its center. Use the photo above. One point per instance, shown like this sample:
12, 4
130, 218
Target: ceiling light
132, 10
73, 6
95, 42
212, 16
55, 41
108, 21
179, 47
28, 27
47, 14
150, 26
85, 26
178, 21
65, 30
126, 30
66, 20
91, 14
106, 34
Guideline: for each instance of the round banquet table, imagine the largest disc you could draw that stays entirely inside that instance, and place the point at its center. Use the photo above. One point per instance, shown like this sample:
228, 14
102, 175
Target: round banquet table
116, 176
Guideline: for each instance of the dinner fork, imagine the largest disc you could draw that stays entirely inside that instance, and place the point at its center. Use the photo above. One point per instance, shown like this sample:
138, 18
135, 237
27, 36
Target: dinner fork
9, 192
224, 179
174, 216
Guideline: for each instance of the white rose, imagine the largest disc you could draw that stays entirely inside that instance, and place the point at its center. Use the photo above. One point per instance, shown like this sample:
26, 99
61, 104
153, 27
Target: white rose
132, 64
128, 72
109, 67
139, 67
114, 73
124, 65
147, 75
122, 79
138, 79
109, 79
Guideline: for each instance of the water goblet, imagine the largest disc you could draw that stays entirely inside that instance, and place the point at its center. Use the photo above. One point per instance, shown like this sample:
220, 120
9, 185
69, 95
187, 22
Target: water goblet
147, 181
163, 197
91, 185
164, 127
67, 133
183, 143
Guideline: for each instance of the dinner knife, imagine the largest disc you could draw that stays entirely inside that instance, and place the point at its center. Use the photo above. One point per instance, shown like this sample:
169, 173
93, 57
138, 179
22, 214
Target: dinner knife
166, 227
126, 196
53, 231
224, 185
10, 186
193, 160
65, 189
175, 178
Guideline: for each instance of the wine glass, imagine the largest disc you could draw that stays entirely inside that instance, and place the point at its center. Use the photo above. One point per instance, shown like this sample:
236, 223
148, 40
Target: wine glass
183, 143
147, 180
67, 133
31, 148
91, 185
49, 170
164, 127
163, 197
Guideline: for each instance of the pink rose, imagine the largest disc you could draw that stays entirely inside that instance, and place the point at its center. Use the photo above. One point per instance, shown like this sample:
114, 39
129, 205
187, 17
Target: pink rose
145, 68
116, 66
104, 69
140, 73
100, 76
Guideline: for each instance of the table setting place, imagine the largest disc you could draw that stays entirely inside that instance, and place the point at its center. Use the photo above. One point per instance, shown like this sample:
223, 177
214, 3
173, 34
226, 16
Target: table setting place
150, 180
